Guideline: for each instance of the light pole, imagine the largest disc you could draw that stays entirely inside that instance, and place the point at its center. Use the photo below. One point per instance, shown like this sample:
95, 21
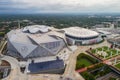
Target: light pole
102, 49
115, 61
96, 51
104, 55
117, 52
108, 48
111, 53
0, 61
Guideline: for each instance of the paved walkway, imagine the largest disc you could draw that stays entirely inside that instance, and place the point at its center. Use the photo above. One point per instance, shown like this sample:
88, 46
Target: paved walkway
84, 48
3, 47
70, 70
15, 73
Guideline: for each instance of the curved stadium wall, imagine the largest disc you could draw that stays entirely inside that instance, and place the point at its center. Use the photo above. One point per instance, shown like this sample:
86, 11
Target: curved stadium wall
73, 40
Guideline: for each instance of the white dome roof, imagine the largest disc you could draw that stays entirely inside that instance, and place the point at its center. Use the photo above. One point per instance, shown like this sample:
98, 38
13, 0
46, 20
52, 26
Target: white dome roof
36, 28
80, 32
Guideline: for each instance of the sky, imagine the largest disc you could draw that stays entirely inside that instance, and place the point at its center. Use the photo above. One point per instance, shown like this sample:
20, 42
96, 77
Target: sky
59, 6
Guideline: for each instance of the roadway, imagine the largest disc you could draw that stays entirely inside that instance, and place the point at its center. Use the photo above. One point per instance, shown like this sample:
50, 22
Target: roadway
15, 73
70, 68
70, 72
2, 47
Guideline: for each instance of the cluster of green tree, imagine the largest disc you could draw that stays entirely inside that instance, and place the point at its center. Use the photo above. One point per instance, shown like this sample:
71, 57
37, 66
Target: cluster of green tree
102, 71
6, 30
2, 34
112, 78
58, 21
87, 76
96, 72
96, 66
1, 75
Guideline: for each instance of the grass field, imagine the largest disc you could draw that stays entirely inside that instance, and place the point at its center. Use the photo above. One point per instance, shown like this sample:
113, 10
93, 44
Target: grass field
117, 65
86, 62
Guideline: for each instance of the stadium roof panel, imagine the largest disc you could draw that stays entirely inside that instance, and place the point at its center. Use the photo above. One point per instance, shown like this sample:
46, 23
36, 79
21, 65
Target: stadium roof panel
42, 38
21, 37
24, 49
38, 37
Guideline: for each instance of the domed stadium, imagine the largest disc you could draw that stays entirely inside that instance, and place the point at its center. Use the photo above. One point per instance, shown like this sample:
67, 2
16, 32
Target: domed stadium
81, 36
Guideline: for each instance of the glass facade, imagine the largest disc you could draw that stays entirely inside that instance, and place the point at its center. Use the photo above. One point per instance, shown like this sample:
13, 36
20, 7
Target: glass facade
42, 50
78, 38
52, 45
83, 41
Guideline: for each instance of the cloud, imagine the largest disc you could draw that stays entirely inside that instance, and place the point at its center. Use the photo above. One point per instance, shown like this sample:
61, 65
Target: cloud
61, 5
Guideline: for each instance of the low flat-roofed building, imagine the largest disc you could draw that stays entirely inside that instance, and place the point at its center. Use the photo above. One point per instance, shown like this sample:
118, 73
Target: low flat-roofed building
54, 66
108, 32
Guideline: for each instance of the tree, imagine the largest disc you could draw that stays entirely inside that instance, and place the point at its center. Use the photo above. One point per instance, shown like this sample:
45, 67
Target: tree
88, 76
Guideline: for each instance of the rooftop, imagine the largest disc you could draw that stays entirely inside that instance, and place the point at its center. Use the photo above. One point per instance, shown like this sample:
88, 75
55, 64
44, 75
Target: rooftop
80, 32
36, 28
33, 44
46, 66
20, 35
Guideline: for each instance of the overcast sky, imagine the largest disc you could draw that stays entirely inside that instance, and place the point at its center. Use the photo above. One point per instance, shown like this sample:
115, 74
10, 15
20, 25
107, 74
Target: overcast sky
56, 6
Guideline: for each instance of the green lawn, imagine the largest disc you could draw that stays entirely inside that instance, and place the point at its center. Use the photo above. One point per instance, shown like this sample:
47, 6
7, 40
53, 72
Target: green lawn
117, 65
84, 61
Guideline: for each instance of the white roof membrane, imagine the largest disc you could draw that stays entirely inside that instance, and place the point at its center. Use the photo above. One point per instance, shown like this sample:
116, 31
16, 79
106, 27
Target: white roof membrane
36, 28
80, 32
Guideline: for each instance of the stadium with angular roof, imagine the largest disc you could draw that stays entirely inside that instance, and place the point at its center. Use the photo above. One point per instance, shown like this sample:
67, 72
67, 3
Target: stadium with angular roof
35, 41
